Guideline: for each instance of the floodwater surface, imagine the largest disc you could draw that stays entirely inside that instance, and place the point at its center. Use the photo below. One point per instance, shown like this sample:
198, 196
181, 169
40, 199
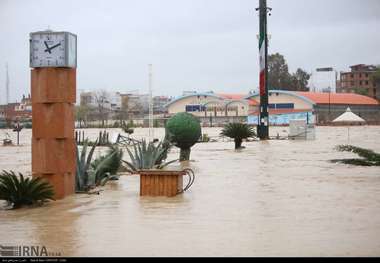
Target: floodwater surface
276, 198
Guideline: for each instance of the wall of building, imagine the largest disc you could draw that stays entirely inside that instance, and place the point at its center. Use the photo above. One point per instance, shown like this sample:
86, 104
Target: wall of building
325, 113
281, 98
206, 106
358, 80
180, 105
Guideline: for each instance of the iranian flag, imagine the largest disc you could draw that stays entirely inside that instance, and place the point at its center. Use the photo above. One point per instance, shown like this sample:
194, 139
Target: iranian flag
262, 62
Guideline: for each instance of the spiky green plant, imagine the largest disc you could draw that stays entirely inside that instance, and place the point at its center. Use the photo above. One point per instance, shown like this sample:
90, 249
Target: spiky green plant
19, 191
84, 179
166, 146
106, 166
368, 157
147, 156
238, 132
127, 128
183, 130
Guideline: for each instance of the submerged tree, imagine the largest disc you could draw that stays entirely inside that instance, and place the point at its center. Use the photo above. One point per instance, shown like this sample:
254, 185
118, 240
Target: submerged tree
368, 157
183, 130
238, 132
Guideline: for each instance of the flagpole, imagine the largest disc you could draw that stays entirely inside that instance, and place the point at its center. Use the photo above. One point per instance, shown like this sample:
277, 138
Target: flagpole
263, 127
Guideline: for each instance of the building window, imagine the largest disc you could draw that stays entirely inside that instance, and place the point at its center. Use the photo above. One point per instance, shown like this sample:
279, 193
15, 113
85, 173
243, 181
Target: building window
352, 76
195, 108
281, 106
366, 75
360, 75
366, 82
352, 83
285, 106
360, 82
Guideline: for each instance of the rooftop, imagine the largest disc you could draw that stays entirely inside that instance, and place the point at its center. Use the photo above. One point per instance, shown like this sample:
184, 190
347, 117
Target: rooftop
338, 98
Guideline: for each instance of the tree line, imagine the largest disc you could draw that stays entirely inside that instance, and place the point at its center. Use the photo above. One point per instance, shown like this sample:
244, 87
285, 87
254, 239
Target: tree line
279, 77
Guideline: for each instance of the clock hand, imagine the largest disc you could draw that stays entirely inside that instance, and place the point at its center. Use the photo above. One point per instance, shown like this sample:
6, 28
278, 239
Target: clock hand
55, 46
47, 47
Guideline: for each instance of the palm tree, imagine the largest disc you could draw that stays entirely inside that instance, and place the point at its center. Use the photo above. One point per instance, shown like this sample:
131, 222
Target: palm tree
238, 132
19, 191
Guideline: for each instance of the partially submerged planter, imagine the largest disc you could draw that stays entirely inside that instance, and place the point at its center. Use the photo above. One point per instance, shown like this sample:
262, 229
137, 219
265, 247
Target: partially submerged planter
164, 182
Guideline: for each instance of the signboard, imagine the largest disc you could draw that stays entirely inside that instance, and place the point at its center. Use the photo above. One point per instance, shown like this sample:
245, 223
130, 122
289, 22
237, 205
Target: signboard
283, 119
324, 69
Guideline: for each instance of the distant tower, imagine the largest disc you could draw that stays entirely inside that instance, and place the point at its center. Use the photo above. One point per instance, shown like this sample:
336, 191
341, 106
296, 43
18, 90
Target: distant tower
6, 84
151, 135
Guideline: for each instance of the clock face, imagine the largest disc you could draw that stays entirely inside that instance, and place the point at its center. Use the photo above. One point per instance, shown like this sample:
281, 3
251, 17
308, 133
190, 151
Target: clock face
48, 50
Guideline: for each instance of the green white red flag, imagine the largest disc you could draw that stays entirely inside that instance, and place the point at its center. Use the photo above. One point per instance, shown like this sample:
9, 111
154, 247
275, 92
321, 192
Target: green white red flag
262, 61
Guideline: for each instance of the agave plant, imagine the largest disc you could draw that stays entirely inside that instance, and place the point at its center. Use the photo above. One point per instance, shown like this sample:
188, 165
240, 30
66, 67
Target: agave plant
106, 166
238, 132
19, 191
85, 179
368, 157
147, 156
127, 128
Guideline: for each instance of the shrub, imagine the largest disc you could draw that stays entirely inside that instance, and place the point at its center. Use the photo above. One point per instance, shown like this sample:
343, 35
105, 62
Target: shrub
368, 157
19, 191
98, 172
106, 166
238, 132
183, 130
147, 156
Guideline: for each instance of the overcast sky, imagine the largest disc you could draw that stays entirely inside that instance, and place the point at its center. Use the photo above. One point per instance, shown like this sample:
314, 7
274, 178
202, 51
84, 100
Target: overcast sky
193, 44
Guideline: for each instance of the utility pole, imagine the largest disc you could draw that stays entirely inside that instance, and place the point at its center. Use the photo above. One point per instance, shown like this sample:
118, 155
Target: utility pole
263, 127
329, 104
151, 135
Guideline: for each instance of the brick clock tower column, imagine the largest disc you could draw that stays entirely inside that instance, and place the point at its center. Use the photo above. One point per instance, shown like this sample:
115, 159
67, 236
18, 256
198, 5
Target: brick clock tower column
53, 89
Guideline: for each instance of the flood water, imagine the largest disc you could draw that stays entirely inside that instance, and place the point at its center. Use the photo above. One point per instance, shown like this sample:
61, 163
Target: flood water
276, 198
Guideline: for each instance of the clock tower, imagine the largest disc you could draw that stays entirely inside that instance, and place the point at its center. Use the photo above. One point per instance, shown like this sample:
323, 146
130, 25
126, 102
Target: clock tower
53, 88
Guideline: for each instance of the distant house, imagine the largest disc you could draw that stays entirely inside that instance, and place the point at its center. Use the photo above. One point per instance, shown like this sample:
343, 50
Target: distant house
17, 111
358, 80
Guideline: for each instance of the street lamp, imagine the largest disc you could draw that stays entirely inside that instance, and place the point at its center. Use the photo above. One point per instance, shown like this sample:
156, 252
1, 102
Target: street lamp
330, 69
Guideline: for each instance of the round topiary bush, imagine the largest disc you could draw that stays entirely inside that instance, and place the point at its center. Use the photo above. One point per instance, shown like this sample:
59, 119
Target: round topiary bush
183, 130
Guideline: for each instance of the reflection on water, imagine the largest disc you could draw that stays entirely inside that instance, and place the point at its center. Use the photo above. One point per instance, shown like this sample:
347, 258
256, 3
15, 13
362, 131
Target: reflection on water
272, 198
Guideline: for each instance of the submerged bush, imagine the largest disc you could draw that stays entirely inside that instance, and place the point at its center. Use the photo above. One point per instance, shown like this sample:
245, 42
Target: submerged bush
98, 172
19, 191
148, 156
106, 166
238, 132
84, 179
368, 157
183, 130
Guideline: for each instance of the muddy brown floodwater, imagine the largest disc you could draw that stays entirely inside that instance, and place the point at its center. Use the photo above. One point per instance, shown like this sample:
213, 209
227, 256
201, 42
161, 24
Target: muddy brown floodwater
276, 198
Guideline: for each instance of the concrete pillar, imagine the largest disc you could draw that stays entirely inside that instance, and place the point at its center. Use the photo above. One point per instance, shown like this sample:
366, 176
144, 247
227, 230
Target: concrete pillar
53, 140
